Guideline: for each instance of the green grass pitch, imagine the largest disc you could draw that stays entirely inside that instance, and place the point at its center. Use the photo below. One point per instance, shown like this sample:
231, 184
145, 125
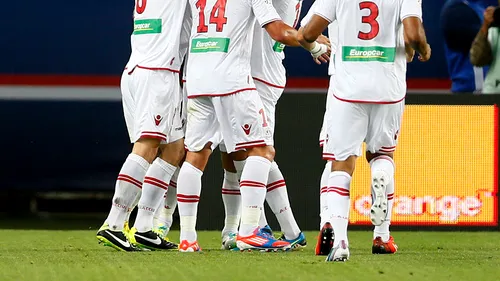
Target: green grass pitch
75, 255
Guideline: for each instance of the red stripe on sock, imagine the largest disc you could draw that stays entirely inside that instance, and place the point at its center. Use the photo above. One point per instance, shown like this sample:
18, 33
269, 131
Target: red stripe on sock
231, 191
390, 195
269, 189
173, 184
180, 200
275, 183
127, 178
339, 190
339, 193
156, 182
184, 196
252, 183
388, 147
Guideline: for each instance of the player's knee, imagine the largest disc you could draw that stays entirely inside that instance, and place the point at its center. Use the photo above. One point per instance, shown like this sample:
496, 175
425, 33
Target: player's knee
199, 159
147, 149
173, 153
262, 151
347, 165
370, 156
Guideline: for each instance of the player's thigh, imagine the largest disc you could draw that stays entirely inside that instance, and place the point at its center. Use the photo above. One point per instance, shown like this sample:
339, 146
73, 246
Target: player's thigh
269, 96
202, 125
242, 120
156, 95
384, 126
128, 104
347, 125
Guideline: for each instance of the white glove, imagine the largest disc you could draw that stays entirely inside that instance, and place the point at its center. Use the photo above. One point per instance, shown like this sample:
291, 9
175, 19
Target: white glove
318, 50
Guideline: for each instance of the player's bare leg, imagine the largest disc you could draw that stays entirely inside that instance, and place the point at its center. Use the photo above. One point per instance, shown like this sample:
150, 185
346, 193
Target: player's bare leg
231, 197
164, 215
325, 236
339, 183
153, 191
382, 168
253, 184
127, 190
188, 196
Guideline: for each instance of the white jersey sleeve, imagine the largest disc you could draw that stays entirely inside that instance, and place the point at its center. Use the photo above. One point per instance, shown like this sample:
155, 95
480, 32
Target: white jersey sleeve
264, 11
326, 9
411, 8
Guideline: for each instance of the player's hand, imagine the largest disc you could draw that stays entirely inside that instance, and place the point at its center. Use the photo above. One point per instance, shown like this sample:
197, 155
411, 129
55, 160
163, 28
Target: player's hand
426, 56
410, 53
322, 39
488, 16
321, 53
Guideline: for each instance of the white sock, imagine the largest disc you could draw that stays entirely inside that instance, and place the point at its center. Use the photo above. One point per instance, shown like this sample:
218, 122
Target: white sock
231, 197
188, 196
128, 185
277, 198
239, 165
386, 164
263, 219
323, 205
132, 207
253, 192
153, 191
167, 215
167, 206
338, 203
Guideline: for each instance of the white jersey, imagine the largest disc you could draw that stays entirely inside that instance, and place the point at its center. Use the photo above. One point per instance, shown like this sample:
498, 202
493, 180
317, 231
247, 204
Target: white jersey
267, 54
155, 39
184, 40
333, 35
221, 36
370, 62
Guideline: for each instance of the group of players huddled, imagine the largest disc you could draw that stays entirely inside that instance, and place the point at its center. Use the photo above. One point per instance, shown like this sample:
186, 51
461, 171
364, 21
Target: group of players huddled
233, 77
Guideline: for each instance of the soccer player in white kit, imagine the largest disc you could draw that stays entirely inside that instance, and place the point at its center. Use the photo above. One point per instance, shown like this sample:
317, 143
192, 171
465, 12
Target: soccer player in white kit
152, 104
325, 237
223, 99
368, 91
269, 76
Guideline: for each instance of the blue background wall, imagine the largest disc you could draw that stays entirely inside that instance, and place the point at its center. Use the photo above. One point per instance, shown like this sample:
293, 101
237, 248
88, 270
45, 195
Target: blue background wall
92, 38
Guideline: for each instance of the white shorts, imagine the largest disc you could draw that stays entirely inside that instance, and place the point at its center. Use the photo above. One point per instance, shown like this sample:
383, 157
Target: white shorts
327, 155
153, 105
239, 119
349, 124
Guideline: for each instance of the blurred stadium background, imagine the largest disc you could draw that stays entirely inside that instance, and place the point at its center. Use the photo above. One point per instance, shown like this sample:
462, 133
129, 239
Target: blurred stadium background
64, 137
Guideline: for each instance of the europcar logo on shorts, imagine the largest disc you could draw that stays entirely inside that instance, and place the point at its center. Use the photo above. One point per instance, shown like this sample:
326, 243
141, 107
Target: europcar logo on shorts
446, 169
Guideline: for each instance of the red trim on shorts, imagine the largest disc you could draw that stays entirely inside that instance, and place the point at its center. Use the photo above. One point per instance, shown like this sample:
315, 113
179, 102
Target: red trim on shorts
268, 83
153, 135
364, 101
221, 95
328, 156
156, 182
127, 178
158, 68
183, 80
250, 144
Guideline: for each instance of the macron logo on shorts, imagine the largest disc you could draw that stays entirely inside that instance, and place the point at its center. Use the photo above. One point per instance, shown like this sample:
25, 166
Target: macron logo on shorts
246, 128
158, 119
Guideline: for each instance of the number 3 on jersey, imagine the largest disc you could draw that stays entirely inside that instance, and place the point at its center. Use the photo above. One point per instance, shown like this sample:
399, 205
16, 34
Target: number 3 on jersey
219, 20
370, 19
